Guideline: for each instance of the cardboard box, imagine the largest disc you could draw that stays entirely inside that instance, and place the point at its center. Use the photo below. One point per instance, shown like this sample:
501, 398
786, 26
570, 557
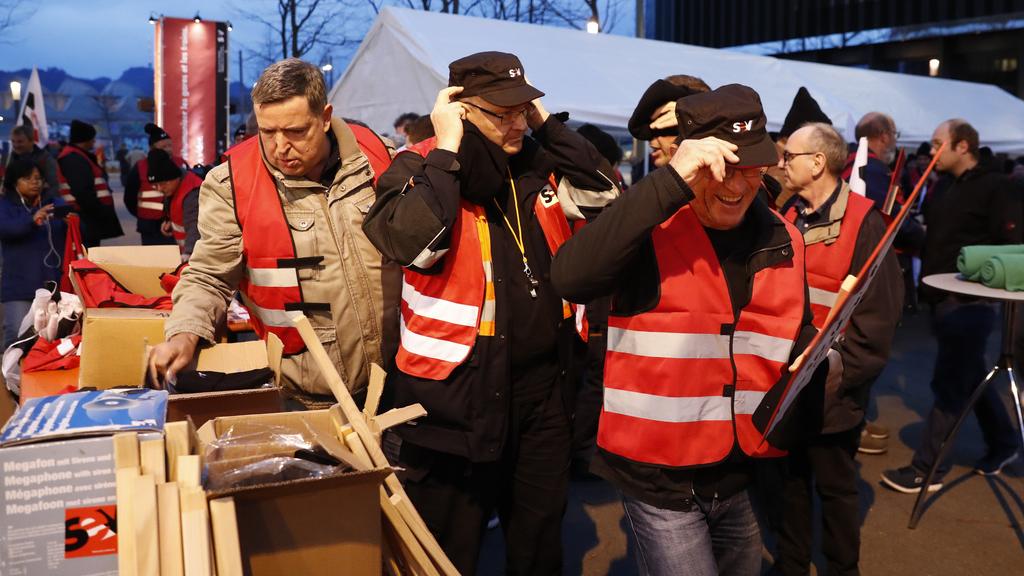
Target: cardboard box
137, 268
114, 345
58, 512
230, 358
311, 526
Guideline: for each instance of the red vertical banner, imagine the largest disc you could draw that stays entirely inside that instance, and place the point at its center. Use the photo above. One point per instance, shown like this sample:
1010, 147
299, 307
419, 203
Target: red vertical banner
190, 86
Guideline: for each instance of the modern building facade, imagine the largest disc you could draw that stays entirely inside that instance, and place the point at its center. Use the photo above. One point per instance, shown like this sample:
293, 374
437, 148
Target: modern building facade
974, 40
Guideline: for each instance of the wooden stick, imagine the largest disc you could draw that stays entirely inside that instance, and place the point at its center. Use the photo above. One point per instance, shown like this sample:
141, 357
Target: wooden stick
126, 450
127, 557
373, 393
189, 472
147, 543
169, 529
178, 443
397, 416
357, 448
195, 532
227, 549
152, 458
358, 422
417, 558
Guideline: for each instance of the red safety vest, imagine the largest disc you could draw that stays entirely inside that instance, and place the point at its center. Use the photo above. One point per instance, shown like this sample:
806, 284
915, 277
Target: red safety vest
189, 182
99, 180
98, 289
56, 355
828, 262
270, 288
151, 200
442, 313
683, 379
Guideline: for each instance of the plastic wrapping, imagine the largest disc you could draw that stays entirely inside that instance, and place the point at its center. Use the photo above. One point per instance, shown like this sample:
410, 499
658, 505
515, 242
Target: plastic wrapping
256, 453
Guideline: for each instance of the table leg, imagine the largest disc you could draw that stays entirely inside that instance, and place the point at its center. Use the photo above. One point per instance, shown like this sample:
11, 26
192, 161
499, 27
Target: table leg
947, 444
1016, 404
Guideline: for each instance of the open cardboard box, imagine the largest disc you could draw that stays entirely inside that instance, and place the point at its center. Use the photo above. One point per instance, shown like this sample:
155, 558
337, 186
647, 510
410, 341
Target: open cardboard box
229, 358
114, 345
137, 268
309, 526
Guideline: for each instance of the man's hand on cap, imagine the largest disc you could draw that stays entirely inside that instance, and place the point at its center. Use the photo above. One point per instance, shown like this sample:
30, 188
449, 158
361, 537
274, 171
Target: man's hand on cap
447, 117
536, 113
665, 117
698, 161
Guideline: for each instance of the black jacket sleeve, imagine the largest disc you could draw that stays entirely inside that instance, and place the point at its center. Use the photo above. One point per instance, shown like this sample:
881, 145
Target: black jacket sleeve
574, 157
867, 342
591, 263
131, 190
417, 204
190, 216
79, 176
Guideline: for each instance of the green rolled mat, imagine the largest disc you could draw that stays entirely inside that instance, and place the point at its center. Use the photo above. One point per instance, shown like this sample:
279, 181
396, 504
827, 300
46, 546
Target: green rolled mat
971, 258
1004, 271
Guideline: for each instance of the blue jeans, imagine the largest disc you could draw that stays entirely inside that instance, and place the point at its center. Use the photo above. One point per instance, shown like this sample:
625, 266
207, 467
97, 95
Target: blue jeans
14, 313
717, 537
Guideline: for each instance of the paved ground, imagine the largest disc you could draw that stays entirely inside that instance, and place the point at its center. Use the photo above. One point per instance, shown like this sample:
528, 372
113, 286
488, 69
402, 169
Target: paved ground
973, 526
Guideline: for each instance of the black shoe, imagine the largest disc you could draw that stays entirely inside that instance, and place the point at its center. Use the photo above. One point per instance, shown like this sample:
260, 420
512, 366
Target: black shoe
993, 463
908, 480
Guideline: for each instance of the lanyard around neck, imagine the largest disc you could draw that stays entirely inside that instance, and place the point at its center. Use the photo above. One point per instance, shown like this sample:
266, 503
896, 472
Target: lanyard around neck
519, 239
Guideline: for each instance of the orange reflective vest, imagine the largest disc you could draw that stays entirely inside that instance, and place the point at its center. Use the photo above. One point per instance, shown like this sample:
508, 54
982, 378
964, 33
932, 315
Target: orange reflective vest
99, 179
828, 262
189, 182
151, 200
270, 288
443, 313
683, 379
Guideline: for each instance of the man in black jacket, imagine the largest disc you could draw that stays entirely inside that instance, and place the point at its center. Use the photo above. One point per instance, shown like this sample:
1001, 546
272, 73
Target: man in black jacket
841, 229
86, 186
691, 255
487, 346
971, 205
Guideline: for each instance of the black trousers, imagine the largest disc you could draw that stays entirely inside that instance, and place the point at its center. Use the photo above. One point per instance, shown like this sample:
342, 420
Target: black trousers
827, 465
527, 486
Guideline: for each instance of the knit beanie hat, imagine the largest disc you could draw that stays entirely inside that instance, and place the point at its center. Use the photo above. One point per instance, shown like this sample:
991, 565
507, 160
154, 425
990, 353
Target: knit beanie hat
804, 109
156, 133
81, 132
161, 167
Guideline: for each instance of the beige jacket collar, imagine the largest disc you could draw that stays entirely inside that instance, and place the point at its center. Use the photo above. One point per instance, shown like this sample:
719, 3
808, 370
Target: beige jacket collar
828, 232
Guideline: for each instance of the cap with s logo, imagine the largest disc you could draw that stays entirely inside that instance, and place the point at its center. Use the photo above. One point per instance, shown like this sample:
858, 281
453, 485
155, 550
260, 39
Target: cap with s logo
732, 113
497, 77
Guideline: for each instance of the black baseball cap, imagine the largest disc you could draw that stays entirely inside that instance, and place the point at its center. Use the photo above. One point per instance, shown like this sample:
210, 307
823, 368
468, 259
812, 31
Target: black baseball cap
497, 77
732, 113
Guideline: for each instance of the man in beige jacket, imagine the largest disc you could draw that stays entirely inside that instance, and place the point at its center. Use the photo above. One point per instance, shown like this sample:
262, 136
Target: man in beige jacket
299, 251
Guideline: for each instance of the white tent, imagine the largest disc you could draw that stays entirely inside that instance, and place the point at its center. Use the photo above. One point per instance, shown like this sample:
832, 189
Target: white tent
403, 62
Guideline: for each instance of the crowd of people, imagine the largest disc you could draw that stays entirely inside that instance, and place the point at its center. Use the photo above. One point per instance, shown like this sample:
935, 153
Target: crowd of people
552, 320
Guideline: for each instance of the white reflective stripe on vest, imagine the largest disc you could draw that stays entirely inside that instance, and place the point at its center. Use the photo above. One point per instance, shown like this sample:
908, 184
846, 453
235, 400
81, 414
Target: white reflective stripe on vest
676, 409
767, 347
102, 193
822, 297
667, 344
158, 206
435, 348
177, 228
581, 312
430, 307
278, 318
273, 277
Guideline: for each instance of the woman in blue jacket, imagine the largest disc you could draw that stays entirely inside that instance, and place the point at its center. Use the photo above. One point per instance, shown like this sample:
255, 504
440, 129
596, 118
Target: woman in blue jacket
31, 240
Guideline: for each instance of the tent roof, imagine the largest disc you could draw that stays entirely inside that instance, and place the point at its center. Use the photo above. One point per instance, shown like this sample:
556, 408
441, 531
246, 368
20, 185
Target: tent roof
403, 62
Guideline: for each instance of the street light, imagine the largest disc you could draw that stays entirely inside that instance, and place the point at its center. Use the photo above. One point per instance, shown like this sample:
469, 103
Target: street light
196, 18
593, 26
933, 67
152, 19
15, 90
327, 67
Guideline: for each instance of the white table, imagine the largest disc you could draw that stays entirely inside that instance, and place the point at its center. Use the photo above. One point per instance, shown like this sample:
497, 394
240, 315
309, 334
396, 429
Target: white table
953, 283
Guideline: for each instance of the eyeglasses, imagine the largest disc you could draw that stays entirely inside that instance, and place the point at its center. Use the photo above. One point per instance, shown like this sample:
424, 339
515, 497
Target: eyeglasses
749, 173
787, 156
508, 118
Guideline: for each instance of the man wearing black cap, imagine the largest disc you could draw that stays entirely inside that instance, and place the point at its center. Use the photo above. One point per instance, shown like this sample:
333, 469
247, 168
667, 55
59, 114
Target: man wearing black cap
487, 346
709, 310
83, 185
179, 190
141, 198
654, 119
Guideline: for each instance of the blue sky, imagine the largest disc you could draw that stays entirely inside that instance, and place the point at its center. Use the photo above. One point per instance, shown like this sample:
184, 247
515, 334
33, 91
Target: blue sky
92, 38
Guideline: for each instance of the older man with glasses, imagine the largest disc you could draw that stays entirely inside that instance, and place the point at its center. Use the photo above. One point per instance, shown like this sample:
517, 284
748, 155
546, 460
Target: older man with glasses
709, 310
840, 231
488, 346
